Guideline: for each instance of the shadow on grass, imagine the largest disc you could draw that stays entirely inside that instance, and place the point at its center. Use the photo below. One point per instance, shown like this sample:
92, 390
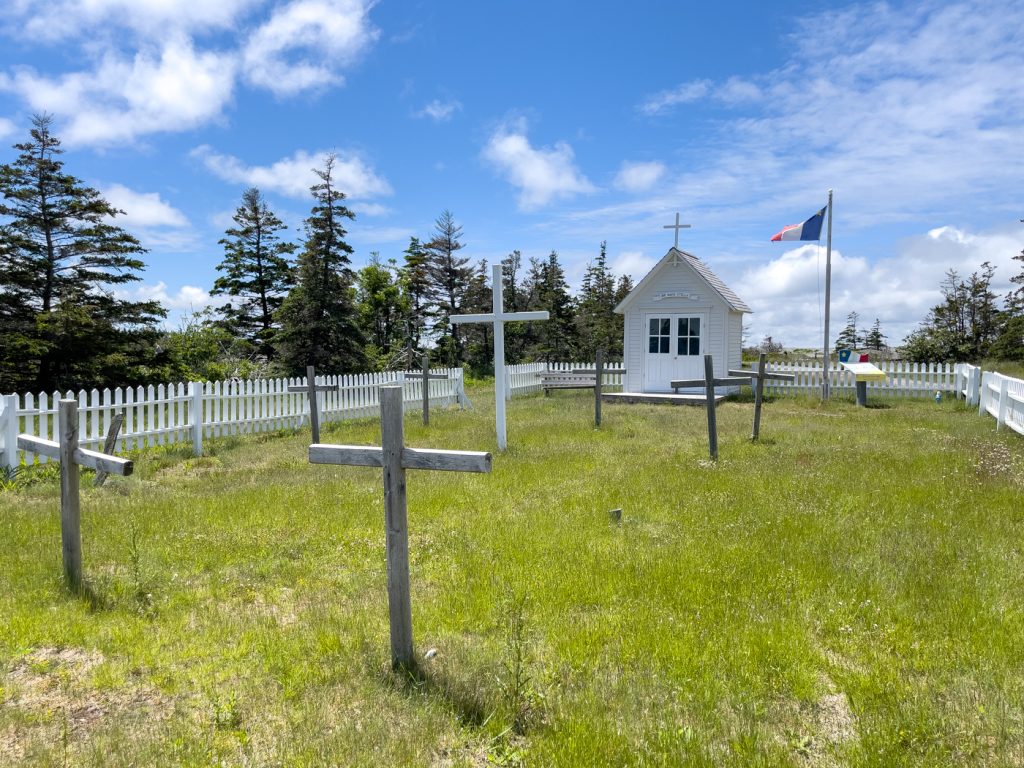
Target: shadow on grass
465, 697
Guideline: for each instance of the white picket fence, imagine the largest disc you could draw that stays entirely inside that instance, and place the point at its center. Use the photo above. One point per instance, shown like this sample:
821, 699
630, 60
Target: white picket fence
902, 379
994, 393
167, 413
525, 378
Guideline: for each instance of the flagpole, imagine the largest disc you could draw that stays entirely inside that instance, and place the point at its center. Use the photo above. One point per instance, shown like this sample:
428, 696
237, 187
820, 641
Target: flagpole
828, 295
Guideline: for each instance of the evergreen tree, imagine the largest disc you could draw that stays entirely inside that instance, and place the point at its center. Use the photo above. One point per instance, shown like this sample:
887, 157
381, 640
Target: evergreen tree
875, 339
415, 284
381, 310
555, 340
597, 322
1010, 343
449, 276
319, 321
962, 326
515, 296
478, 338
60, 256
849, 337
257, 272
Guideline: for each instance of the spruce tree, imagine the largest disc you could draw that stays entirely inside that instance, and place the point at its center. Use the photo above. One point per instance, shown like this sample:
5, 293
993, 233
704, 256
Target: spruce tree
597, 322
381, 310
449, 275
875, 339
477, 338
849, 337
319, 320
257, 272
60, 256
415, 284
556, 338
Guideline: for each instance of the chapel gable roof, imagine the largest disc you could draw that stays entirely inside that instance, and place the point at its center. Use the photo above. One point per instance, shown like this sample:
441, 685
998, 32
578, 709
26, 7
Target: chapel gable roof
702, 270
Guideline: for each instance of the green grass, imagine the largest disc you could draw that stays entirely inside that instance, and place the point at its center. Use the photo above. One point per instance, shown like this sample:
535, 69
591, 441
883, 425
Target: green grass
846, 592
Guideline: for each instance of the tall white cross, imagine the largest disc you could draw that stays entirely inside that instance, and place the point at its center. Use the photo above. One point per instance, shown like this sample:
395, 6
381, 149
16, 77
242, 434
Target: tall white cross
677, 226
499, 317
395, 458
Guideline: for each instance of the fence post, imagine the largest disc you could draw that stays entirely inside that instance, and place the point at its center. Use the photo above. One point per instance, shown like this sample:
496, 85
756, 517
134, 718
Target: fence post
9, 419
196, 393
983, 393
1004, 401
973, 385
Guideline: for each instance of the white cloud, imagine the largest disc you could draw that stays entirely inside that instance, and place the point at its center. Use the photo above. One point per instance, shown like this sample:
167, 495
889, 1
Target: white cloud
173, 89
293, 176
695, 90
440, 111
187, 297
7, 128
542, 175
370, 209
59, 19
633, 263
304, 43
143, 209
639, 177
787, 293
157, 78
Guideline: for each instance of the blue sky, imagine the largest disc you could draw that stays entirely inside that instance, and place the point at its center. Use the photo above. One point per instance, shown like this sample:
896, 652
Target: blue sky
553, 125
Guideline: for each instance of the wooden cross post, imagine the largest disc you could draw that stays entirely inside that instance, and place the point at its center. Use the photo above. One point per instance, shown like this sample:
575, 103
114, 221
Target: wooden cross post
71, 457
426, 375
709, 382
395, 458
108, 445
599, 372
757, 380
311, 388
498, 317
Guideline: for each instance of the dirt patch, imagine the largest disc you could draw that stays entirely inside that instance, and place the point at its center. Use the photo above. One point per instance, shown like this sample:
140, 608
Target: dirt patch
49, 695
833, 719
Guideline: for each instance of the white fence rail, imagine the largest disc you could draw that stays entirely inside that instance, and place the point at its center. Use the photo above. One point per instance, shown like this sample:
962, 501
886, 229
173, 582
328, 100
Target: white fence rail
172, 413
902, 379
1003, 397
526, 378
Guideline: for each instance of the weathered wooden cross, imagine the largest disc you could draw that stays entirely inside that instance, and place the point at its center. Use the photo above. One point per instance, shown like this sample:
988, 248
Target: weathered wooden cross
757, 380
599, 372
426, 375
499, 317
709, 382
394, 457
71, 457
735, 378
677, 226
311, 388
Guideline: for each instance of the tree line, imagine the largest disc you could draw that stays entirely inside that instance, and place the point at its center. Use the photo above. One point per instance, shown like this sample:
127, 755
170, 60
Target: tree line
286, 303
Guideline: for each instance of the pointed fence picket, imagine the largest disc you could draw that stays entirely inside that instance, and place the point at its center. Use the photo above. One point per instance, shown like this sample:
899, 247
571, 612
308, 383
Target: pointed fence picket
167, 413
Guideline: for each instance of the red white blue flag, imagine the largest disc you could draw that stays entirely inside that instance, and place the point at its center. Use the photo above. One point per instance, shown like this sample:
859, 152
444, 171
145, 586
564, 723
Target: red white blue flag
809, 230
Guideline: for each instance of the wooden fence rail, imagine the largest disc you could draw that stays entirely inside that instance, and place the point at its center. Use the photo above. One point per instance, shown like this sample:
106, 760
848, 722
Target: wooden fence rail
166, 414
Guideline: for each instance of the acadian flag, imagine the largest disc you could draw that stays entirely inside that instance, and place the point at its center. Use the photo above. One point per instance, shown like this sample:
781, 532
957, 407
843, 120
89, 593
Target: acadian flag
809, 230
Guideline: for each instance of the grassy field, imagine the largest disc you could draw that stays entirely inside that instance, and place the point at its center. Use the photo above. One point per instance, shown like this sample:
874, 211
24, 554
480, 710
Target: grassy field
849, 591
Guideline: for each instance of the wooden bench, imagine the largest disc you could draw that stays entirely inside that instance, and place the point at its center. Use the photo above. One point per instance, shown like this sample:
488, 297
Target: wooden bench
581, 378
567, 380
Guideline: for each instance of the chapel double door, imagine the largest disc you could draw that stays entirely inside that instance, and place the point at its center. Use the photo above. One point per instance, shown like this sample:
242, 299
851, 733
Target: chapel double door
674, 350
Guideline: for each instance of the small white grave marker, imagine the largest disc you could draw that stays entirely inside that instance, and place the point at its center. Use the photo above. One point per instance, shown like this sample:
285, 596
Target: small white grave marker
499, 317
71, 457
395, 458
